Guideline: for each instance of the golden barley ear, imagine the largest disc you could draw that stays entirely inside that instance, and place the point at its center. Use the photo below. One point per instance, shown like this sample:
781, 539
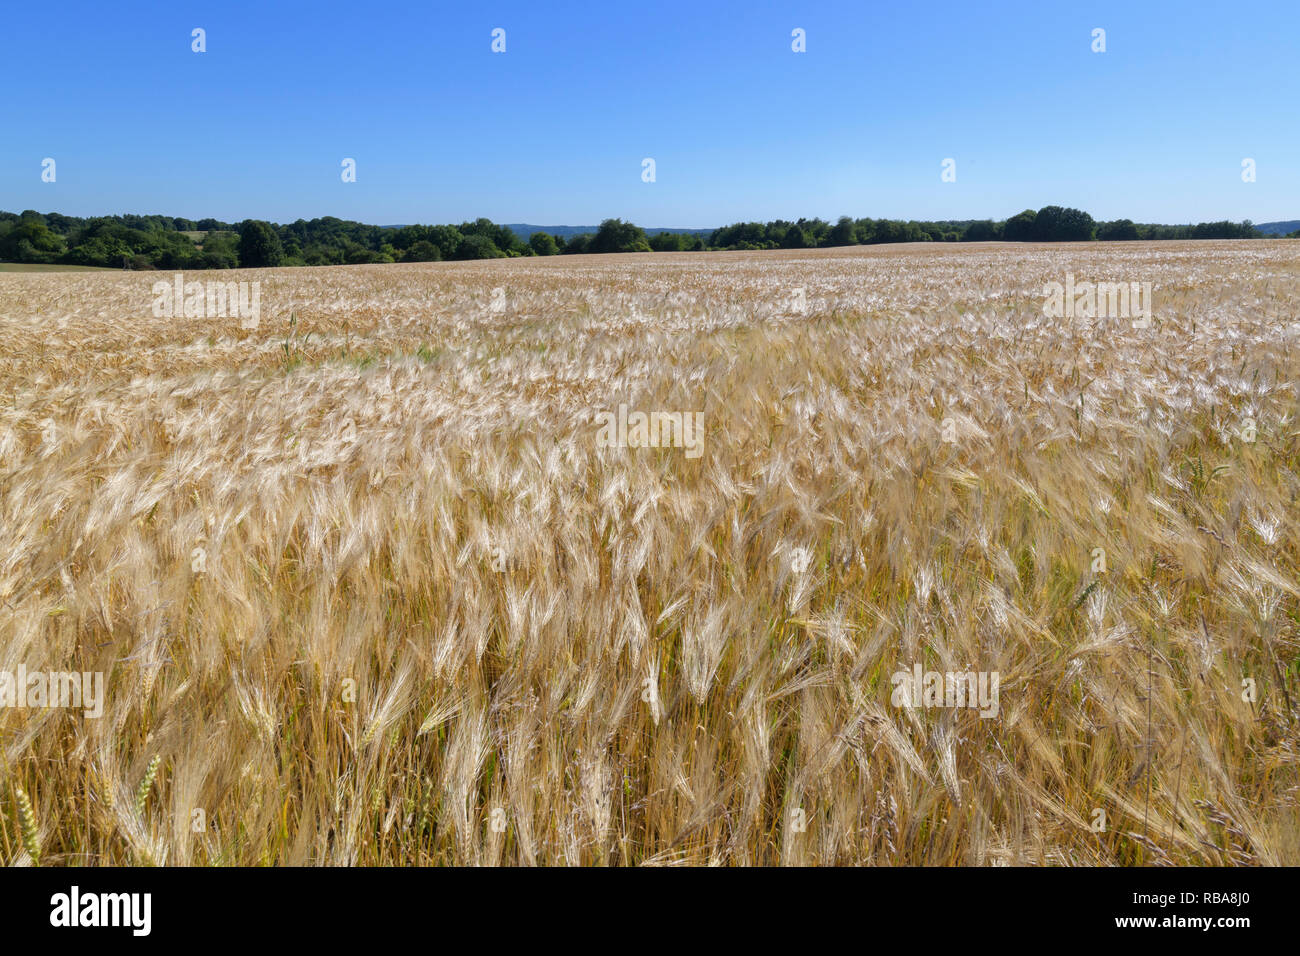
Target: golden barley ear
27, 821
104, 788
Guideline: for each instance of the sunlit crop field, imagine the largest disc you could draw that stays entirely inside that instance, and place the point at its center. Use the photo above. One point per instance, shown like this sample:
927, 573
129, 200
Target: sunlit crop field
366, 587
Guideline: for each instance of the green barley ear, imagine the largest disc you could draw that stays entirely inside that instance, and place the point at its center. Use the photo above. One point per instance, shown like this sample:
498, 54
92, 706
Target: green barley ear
426, 797
142, 793
27, 818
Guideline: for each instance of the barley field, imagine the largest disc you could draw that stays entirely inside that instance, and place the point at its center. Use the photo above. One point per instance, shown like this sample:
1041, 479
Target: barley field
366, 588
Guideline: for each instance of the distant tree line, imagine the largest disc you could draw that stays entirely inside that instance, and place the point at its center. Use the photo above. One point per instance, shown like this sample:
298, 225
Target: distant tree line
1049, 224
160, 242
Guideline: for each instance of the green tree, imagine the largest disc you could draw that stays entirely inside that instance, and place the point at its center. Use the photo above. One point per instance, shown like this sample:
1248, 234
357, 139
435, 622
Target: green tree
477, 246
981, 230
1020, 227
259, 246
576, 245
446, 238
1120, 229
543, 244
221, 251
843, 233
422, 251
31, 241
795, 238
1059, 224
615, 235
666, 242
502, 239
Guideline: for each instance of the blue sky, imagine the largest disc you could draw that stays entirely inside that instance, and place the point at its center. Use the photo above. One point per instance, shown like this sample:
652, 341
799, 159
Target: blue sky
554, 130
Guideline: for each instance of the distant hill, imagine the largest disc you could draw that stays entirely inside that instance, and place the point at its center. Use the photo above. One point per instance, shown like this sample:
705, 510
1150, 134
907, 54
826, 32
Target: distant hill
1278, 228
